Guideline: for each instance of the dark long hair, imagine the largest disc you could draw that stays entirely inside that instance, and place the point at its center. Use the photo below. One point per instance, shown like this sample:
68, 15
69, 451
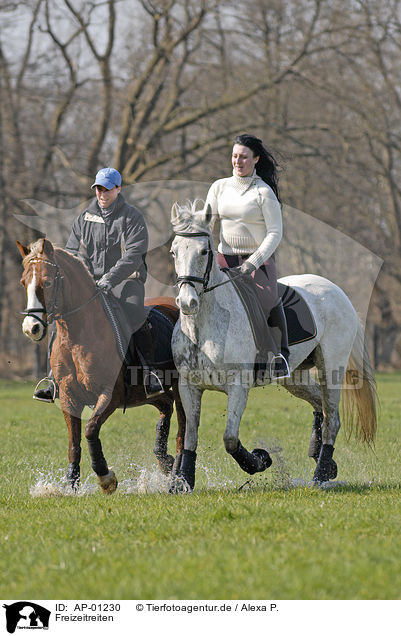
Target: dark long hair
266, 168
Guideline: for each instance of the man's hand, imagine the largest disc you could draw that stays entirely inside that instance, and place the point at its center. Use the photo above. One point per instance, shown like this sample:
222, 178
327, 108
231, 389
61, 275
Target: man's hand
104, 284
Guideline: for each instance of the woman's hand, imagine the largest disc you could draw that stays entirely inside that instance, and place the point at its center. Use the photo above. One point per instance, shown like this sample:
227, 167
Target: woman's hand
246, 269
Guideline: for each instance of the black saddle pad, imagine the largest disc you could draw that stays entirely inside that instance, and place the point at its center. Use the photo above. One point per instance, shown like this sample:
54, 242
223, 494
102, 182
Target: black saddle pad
163, 329
300, 322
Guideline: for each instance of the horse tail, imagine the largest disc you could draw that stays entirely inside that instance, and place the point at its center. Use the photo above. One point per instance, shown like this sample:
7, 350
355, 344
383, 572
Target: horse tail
359, 396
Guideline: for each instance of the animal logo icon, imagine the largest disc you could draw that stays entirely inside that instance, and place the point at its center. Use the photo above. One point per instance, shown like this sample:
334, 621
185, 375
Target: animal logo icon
26, 615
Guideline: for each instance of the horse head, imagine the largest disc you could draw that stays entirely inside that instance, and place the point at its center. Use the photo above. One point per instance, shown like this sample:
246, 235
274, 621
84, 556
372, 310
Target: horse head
39, 280
192, 249
57, 284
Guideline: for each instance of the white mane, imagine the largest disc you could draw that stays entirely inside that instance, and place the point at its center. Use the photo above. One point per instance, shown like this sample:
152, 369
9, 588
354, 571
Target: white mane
187, 218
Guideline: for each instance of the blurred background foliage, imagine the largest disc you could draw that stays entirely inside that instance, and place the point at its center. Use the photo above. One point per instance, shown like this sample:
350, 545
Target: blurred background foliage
158, 89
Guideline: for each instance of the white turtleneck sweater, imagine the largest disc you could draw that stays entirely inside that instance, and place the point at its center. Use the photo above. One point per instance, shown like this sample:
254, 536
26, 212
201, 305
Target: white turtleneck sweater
250, 217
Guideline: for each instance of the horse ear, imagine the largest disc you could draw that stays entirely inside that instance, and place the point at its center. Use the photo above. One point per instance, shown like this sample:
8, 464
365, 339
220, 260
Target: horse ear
174, 212
47, 248
23, 249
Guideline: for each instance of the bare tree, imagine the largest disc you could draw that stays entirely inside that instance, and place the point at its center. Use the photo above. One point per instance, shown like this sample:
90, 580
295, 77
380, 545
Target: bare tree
158, 88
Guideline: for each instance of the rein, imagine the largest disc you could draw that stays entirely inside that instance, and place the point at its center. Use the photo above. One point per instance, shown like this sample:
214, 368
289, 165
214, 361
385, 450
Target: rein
189, 280
52, 315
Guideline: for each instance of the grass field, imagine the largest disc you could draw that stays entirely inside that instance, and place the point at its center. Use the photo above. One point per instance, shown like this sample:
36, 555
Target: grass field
271, 536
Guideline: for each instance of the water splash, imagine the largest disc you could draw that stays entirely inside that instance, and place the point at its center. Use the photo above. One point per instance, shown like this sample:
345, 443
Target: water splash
281, 474
145, 481
215, 480
210, 476
326, 485
50, 484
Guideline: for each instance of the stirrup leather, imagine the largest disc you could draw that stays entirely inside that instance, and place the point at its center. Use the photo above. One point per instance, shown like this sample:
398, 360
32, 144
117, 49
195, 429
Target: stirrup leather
275, 359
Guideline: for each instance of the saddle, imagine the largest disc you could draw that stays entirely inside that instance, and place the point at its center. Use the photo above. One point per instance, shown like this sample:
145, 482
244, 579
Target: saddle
162, 327
300, 322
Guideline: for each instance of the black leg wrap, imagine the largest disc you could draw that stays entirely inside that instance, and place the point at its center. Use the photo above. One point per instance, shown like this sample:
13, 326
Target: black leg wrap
326, 466
99, 463
73, 474
187, 469
315, 443
254, 462
162, 432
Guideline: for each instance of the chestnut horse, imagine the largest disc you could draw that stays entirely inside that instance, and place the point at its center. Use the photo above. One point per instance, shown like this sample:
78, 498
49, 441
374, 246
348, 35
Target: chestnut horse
84, 359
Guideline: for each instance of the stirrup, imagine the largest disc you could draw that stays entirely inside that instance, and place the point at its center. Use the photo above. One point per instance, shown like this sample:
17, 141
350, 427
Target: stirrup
285, 372
147, 376
52, 387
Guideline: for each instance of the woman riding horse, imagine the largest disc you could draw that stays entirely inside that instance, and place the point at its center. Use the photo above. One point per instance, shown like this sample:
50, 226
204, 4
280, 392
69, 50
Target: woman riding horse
111, 237
248, 206
214, 348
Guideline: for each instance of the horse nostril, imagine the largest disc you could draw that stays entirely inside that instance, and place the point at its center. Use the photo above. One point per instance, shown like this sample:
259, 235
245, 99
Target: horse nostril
35, 329
193, 303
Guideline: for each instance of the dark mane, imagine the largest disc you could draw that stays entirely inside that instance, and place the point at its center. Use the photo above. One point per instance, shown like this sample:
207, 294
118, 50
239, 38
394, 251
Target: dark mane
67, 260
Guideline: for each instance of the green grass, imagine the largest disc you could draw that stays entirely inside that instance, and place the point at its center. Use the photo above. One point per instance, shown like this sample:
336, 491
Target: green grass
237, 536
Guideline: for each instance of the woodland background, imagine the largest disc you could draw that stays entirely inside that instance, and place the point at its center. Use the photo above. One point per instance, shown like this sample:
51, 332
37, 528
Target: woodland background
158, 89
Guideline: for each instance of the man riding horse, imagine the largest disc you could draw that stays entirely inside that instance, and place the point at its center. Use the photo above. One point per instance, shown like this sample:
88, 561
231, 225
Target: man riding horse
111, 237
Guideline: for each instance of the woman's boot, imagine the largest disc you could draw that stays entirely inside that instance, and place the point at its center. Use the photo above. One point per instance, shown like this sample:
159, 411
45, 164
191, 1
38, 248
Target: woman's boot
279, 365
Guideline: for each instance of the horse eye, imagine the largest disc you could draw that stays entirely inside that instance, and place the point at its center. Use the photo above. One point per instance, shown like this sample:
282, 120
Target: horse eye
204, 252
47, 283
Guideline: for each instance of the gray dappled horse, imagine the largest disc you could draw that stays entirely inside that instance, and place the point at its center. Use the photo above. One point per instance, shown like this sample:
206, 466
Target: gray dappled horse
213, 347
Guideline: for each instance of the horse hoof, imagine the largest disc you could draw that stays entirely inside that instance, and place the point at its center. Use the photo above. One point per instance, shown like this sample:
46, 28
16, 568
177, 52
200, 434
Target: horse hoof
108, 483
325, 473
166, 464
263, 457
75, 484
179, 486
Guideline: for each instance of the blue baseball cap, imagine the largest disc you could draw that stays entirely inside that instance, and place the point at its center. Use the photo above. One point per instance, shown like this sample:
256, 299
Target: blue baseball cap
108, 178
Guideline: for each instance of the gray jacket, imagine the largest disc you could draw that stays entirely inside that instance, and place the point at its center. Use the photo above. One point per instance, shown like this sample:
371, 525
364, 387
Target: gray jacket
114, 244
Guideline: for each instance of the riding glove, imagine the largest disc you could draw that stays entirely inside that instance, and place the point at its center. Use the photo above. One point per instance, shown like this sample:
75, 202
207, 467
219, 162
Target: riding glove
246, 269
104, 284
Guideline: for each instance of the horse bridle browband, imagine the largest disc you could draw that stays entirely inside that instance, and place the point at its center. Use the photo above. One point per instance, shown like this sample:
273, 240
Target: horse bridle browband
53, 315
189, 280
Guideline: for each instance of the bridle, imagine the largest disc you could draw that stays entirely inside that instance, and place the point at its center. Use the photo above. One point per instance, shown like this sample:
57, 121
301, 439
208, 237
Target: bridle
190, 280
53, 314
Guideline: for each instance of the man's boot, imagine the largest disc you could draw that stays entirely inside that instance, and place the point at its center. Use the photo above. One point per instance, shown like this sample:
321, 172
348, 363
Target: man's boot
145, 347
48, 394
279, 365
